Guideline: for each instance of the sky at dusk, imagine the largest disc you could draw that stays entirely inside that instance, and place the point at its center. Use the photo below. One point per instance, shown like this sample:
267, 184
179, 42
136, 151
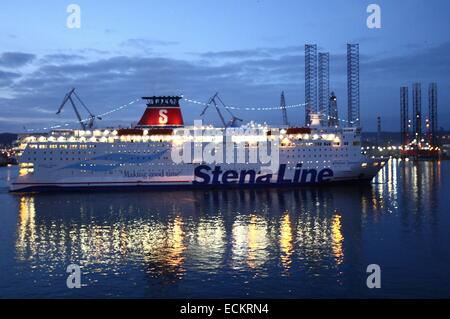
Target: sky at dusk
248, 51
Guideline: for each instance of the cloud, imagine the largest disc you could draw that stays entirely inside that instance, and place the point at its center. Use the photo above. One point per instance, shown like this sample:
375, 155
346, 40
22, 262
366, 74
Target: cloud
6, 78
109, 82
42, 110
265, 52
145, 44
15, 59
430, 63
242, 77
241, 54
61, 58
93, 51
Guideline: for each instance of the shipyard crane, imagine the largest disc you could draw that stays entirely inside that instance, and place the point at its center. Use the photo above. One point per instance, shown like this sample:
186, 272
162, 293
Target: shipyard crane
85, 124
283, 109
232, 122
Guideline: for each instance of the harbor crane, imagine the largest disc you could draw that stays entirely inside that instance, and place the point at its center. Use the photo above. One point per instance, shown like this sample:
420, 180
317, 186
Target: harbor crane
85, 124
283, 109
232, 122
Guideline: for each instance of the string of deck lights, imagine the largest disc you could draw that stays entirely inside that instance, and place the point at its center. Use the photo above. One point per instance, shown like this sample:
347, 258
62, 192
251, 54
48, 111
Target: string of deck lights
247, 108
260, 108
87, 119
187, 100
351, 122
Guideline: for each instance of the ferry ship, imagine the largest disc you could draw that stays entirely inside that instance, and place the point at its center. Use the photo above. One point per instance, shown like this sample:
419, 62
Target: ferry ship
143, 156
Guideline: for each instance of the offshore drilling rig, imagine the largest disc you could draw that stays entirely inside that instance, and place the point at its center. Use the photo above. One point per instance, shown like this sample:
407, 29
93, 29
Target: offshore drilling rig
415, 142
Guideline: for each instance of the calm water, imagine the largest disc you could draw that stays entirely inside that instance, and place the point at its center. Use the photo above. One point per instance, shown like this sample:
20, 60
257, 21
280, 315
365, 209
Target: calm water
287, 243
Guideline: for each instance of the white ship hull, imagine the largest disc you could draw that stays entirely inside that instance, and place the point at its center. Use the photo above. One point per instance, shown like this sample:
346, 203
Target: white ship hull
146, 156
159, 171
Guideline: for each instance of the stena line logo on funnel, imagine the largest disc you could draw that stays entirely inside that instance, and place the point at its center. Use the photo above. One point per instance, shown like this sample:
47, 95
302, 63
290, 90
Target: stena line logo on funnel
204, 174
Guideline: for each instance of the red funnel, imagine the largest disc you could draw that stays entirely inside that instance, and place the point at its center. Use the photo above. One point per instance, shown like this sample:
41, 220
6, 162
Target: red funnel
162, 111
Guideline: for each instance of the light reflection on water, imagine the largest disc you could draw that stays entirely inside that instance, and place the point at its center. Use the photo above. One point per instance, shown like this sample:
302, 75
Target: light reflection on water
220, 242
163, 240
